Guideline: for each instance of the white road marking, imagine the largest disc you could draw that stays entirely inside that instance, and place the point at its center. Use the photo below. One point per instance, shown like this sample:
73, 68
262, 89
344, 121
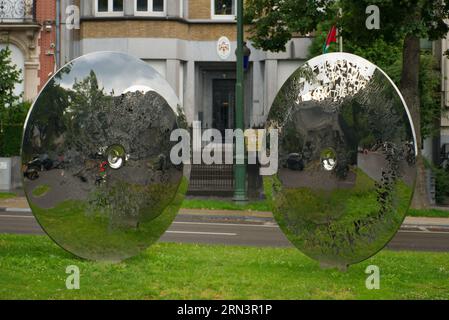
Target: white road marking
425, 232
15, 216
18, 210
422, 229
227, 224
203, 233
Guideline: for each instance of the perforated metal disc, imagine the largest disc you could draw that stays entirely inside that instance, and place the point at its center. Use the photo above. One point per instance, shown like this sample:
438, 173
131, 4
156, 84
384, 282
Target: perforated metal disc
96, 157
347, 159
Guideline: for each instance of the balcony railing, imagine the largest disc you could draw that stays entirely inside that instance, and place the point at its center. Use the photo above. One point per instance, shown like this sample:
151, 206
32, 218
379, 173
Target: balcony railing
17, 11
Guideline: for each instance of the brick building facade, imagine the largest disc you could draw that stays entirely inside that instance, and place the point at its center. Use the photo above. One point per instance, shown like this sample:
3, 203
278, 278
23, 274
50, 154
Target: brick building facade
28, 27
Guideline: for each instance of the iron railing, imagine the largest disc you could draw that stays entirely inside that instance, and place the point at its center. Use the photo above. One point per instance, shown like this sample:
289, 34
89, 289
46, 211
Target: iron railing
211, 179
17, 11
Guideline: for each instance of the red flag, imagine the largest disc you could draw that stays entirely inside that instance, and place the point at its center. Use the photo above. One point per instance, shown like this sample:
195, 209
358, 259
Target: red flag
331, 37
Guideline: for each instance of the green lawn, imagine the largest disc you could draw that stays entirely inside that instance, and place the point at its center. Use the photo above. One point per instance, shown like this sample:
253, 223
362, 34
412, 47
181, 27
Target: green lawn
41, 190
33, 267
6, 195
213, 204
430, 213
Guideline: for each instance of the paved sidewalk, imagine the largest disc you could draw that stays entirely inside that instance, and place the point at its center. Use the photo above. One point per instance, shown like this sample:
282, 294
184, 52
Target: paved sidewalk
20, 204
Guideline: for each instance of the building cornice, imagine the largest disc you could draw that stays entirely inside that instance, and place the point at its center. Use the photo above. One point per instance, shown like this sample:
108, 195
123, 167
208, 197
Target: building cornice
19, 26
156, 18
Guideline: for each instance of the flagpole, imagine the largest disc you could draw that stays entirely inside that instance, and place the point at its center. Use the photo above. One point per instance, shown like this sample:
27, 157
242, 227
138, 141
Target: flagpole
340, 40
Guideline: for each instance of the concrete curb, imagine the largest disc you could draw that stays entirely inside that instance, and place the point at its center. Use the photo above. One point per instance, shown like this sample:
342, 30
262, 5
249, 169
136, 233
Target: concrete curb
15, 210
223, 216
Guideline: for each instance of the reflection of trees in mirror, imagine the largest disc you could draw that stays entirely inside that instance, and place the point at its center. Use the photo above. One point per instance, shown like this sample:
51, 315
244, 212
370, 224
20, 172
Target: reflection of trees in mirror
338, 227
289, 94
91, 236
127, 205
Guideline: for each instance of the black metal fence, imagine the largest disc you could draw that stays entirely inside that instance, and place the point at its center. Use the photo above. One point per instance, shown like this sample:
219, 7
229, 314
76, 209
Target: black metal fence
211, 179
218, 180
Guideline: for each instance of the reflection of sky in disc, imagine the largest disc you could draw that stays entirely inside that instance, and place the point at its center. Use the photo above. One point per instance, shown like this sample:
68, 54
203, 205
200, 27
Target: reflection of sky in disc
142, 89
117, 74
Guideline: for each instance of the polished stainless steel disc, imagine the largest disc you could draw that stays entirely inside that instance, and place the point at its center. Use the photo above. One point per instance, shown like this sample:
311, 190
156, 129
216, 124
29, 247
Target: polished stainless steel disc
347, 153
96, 157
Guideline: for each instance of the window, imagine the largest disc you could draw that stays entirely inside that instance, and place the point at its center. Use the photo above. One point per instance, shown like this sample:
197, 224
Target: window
223, 9
109, 7
149, 7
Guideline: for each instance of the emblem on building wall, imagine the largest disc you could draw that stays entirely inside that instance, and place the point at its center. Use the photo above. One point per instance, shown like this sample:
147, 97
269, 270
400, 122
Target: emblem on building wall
224, 48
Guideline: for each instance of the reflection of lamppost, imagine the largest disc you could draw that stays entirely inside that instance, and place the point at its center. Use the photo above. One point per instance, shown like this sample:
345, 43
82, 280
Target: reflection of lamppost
240, 169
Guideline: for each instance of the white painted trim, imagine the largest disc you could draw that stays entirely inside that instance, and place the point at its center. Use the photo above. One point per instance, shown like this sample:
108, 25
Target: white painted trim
150, 12
222, 17
109, 13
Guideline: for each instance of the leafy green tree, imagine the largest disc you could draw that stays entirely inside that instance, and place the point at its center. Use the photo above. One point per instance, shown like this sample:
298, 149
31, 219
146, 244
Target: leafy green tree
9, 77
404, 22
388, 56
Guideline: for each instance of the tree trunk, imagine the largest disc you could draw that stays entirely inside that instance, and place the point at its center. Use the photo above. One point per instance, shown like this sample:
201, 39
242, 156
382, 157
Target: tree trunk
410, 90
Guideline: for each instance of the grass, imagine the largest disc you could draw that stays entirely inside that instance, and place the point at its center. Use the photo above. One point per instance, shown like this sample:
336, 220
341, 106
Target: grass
339, 226
430, 213
263, 205
82, 228
6, 195
213, 204
41, 190
34, 268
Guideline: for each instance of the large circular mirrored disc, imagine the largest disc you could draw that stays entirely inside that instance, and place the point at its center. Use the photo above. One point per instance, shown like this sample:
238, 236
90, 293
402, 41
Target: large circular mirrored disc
96, 157
346, 159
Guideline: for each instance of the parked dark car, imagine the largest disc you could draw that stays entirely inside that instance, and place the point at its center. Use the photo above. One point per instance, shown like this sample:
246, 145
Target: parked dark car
41, 163
295, 162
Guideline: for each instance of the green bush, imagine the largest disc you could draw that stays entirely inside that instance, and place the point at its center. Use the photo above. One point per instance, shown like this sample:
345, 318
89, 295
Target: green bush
441, 175
11, 129
13, 110
441, 183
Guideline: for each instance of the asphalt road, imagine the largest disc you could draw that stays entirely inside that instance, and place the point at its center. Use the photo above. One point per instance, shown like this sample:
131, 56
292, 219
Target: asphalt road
187, 229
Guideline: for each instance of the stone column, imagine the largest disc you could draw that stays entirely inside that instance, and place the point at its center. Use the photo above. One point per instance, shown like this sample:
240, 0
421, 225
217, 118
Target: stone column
87, 8
172, 74
128, 7
271, 84
189, 98
31, 79
258, 94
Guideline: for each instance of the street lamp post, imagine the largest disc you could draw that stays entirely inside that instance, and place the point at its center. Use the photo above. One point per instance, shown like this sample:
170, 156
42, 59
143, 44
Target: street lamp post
240, 169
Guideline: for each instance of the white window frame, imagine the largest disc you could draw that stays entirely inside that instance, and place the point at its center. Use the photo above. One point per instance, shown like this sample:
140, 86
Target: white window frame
110, 12
228, 17
150, 11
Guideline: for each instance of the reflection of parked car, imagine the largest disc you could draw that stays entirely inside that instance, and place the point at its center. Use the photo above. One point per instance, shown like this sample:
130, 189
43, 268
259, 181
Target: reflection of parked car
295, 162
41, 163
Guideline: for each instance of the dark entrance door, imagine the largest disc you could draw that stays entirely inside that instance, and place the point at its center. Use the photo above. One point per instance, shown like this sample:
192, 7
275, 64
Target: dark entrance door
217, 179
223, 95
